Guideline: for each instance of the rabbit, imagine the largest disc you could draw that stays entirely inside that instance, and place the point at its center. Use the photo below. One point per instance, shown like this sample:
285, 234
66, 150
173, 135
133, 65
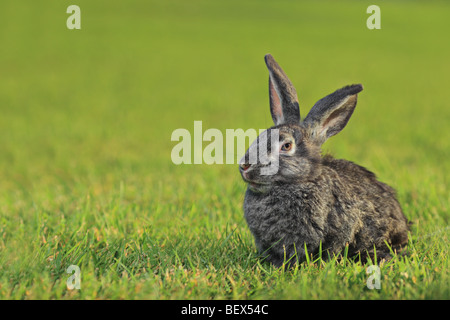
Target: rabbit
311, 203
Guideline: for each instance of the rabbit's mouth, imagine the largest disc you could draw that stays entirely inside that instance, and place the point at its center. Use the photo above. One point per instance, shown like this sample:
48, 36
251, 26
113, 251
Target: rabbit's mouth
257, 186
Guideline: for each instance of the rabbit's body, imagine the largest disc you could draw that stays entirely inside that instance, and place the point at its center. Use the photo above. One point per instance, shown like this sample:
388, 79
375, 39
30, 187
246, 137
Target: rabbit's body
328, 213
314, 201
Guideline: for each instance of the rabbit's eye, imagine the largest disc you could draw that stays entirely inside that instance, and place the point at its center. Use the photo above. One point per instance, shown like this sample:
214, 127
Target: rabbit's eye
286, 147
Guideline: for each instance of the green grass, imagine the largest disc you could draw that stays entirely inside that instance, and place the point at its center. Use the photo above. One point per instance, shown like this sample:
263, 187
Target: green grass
86, 118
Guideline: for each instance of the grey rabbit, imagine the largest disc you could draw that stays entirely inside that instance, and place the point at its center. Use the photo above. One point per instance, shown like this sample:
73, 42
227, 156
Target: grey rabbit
310, 200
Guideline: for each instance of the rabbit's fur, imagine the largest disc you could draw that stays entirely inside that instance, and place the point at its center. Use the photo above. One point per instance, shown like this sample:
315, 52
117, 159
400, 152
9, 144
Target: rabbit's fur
311, 200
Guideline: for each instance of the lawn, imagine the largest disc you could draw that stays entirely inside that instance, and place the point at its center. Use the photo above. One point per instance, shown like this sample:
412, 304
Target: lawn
86, 117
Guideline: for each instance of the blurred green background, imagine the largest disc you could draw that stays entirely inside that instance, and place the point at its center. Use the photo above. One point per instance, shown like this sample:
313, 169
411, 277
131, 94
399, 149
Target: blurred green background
86, 116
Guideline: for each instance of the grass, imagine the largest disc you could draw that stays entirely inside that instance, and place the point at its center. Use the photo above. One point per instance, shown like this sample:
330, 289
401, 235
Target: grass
86, 117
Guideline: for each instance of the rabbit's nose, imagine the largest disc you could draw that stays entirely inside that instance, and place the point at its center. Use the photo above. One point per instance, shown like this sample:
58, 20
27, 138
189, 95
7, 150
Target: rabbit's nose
244, 166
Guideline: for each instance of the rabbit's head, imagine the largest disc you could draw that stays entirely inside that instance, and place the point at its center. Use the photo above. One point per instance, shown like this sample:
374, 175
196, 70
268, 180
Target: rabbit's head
290, 151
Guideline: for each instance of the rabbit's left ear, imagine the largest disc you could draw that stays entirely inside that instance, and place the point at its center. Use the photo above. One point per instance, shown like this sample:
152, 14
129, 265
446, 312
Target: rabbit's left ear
283, 97
330, 114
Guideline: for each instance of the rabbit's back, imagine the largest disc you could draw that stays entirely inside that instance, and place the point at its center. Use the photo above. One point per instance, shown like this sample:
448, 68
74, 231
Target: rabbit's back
376, 203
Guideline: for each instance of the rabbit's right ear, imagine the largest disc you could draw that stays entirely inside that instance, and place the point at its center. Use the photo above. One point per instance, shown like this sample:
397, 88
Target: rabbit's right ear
283, 97
330, 114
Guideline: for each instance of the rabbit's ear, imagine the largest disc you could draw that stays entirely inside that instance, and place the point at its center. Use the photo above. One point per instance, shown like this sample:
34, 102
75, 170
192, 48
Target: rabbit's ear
330, 114
283, 97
